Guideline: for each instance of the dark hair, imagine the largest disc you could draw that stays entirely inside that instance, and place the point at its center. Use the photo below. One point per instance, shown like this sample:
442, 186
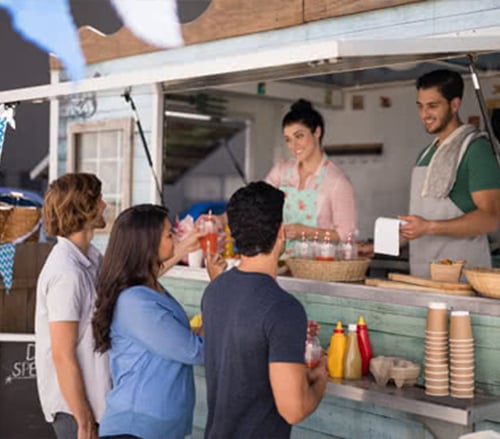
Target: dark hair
450, 84
131, 258
255, 213
71, 202
303, 112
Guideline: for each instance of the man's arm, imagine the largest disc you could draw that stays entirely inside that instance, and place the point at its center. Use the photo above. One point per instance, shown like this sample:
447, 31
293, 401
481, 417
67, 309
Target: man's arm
297, 390
484, 219
63, 337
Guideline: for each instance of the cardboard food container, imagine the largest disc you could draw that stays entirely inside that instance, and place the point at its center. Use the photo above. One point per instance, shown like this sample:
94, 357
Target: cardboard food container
446, 270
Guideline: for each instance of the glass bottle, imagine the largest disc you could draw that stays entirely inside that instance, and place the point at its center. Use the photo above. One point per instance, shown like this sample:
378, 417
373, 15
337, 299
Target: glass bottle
313, 350
302, 249
350, 249
326, 249
314, 245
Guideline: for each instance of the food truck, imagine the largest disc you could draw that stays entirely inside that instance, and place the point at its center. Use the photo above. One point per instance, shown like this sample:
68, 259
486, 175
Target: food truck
232, 83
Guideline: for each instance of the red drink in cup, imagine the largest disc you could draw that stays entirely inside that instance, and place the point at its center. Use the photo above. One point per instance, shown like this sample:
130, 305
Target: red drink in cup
208, 243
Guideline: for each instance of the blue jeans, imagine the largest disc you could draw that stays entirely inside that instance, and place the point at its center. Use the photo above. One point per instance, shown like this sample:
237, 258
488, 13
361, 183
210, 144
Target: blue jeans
65, 426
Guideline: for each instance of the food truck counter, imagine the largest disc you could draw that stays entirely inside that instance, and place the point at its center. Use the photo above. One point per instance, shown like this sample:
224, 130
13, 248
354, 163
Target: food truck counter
396, 320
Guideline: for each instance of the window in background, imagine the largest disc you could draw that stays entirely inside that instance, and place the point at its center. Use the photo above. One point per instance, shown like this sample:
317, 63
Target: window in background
105, 149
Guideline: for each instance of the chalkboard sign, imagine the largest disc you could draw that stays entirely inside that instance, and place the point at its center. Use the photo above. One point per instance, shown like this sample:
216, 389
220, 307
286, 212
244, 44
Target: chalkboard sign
21, 416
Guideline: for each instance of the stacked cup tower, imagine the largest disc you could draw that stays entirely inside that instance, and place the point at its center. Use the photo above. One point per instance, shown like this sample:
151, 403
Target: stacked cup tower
461, 355
436, 350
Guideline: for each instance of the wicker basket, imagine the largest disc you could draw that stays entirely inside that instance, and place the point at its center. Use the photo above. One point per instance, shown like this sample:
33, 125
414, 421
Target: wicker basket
486, 281
19, 222
443, 272
329, 271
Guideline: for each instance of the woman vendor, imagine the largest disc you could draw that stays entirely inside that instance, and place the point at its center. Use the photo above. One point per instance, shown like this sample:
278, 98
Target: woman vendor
319, 195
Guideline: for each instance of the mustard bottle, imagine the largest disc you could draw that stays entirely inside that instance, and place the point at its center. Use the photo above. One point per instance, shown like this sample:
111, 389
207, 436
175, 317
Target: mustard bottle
228, 245
352, 361
336, 352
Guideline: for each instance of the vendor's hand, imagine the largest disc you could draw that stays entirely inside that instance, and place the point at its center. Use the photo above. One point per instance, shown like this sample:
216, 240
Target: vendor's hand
294, 231
190, 243
414, 227
216, 265
365, 249
219, 220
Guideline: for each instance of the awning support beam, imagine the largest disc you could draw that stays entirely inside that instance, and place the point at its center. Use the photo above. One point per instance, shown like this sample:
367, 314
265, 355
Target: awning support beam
480, 98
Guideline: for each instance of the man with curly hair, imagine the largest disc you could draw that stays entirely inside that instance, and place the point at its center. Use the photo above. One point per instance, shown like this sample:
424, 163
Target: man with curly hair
72, 378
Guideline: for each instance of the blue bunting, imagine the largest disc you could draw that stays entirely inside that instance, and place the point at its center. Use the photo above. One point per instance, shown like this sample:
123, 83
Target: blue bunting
7, 253
49, 25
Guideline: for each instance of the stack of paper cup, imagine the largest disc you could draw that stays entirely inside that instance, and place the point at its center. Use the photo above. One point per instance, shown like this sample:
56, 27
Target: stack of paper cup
461, 355
436, 350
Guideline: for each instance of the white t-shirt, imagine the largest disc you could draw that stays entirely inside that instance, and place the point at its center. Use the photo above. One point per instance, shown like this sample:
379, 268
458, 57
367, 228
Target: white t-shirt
66, 292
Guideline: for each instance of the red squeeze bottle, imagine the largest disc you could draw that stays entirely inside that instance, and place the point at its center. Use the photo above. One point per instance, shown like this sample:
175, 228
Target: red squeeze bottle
365, 347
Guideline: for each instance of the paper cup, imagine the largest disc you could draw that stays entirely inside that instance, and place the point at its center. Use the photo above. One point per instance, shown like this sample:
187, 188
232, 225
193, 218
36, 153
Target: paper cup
436, 333
460, 325
436, 391
436, 381
461, 356
469, 362
433, 351
462, 342
437, 317
435, 344
436, 368
463, 384
462, 393
195, 259
462, 351
454, 369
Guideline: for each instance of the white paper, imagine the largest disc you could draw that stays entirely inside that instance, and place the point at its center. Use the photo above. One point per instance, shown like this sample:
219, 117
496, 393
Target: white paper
386, 236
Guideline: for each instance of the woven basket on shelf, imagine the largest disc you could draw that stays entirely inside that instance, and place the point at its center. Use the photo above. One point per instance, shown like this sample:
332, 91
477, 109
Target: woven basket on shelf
486, 281
446, 272
18, 222
329, 271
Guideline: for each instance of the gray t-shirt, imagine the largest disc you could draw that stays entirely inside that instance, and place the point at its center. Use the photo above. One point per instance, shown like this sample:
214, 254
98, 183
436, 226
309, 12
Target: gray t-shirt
66, 293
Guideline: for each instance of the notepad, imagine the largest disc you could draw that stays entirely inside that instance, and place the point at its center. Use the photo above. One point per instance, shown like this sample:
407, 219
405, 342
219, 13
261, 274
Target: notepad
386, 236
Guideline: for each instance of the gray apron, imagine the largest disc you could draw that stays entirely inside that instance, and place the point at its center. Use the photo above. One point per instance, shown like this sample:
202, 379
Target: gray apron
474, 250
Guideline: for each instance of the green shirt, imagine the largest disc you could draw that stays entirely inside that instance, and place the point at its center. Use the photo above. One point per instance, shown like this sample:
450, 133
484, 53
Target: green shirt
477, 171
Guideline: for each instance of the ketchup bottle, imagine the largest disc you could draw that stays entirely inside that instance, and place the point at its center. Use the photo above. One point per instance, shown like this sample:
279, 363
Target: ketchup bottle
365, 347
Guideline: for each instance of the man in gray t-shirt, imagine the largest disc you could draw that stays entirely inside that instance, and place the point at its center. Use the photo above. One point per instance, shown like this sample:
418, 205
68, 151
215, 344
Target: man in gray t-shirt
72, 378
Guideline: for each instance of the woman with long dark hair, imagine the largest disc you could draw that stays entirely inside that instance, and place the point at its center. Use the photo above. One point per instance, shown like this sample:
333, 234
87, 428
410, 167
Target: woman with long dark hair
146, 332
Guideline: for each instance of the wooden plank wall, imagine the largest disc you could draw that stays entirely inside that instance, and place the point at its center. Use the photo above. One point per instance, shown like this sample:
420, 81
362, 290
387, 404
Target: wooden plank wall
395, 330
228, 18
321, 9
17, 309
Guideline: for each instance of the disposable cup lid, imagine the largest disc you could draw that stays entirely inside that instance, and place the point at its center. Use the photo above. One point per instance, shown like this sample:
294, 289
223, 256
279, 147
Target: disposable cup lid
459, 313
438, 305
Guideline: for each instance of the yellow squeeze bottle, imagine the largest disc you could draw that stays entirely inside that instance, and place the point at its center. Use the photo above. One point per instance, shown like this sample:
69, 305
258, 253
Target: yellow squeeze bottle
336, 352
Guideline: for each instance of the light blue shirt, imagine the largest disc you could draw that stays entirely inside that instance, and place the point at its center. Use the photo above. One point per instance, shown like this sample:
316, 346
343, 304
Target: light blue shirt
152, 353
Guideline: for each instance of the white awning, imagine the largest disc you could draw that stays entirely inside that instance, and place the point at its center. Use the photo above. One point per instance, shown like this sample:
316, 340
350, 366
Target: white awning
307, 58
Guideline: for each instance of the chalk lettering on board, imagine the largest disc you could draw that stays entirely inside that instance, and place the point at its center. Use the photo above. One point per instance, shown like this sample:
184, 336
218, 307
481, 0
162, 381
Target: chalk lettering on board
23, 370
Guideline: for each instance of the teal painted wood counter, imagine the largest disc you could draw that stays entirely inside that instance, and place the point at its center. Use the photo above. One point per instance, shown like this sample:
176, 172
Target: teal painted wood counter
396, 321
